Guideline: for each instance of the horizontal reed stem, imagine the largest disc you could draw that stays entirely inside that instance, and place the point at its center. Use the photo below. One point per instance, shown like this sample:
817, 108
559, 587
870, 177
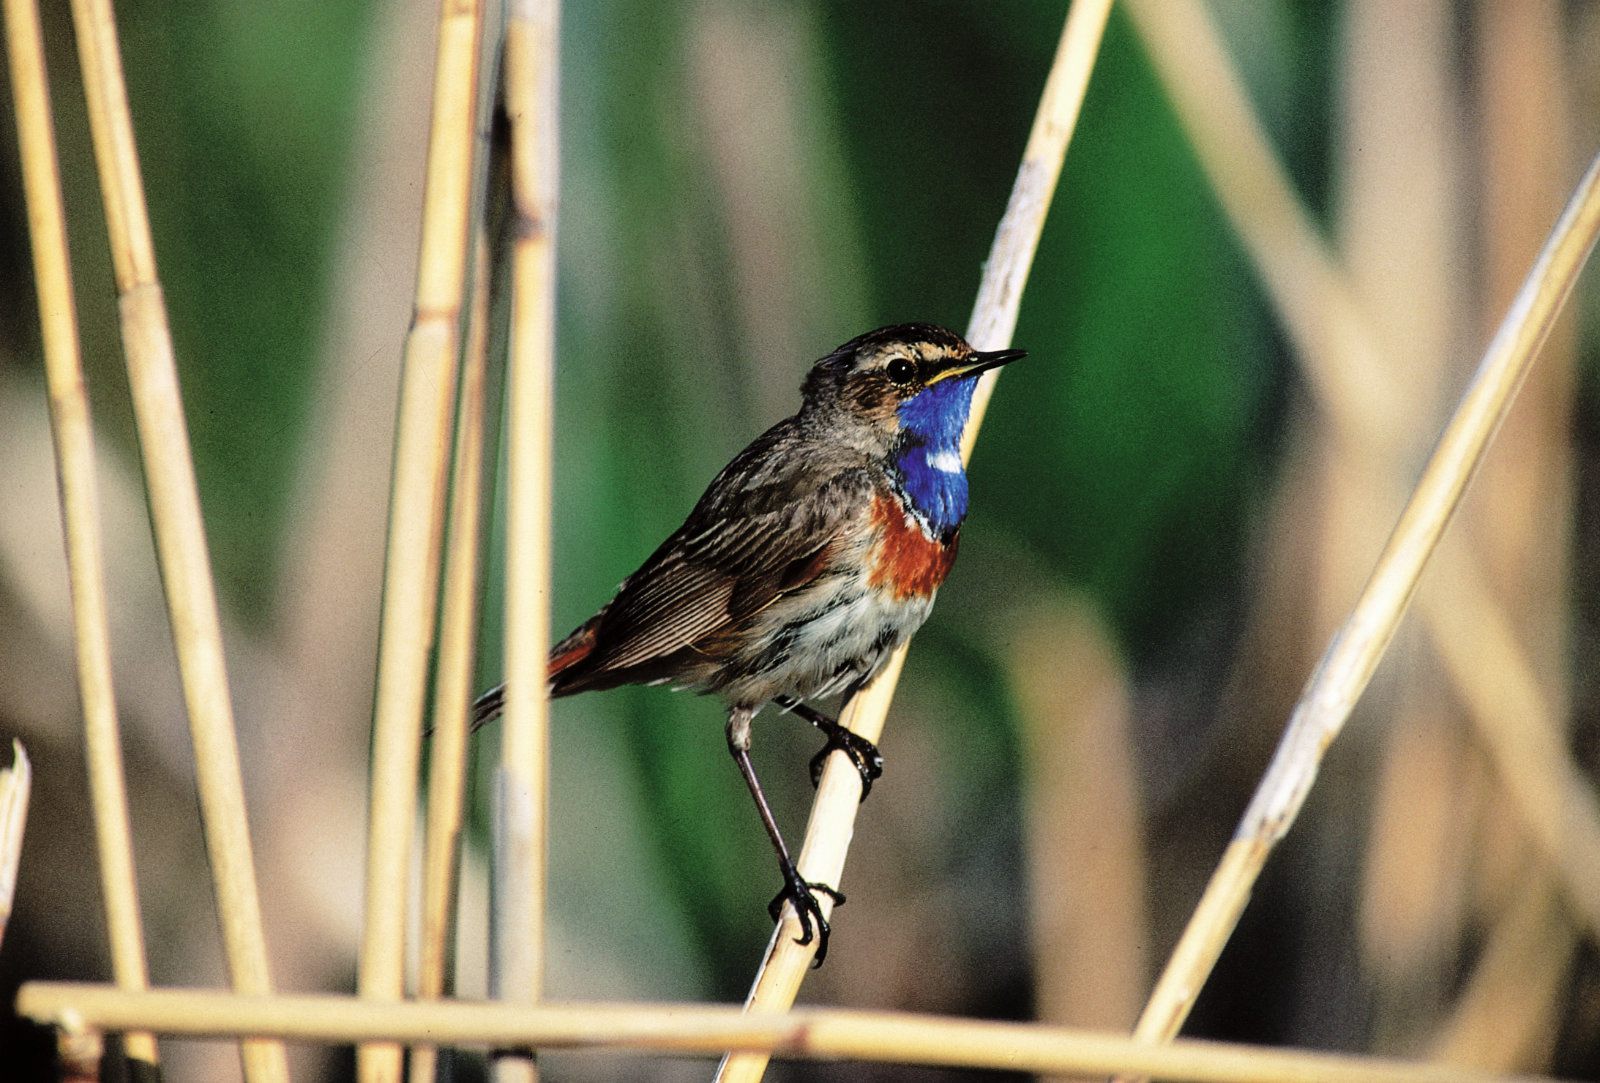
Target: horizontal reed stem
697, 1029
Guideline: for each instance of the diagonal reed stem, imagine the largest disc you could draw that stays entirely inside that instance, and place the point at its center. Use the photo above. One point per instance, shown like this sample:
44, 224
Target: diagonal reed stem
447, 765
1344, 367
994, 318
411, 571
522, 785
74, 447
176, 520
1342, 675
812, 1034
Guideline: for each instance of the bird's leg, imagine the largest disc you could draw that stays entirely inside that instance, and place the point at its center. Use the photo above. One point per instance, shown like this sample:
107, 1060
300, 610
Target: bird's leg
862, 752
800, 892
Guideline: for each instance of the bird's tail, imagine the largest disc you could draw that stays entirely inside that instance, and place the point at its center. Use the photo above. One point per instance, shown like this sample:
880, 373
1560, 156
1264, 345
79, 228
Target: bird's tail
569, 652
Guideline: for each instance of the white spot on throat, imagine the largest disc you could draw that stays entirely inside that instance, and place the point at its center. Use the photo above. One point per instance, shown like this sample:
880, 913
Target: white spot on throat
946, 461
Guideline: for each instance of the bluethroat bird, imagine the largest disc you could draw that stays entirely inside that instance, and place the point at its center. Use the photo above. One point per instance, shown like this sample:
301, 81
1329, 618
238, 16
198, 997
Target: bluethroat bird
811, 557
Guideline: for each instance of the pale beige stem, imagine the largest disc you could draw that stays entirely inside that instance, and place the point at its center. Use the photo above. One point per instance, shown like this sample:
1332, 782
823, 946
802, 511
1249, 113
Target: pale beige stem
994, 317
80, 508
411, 569
699, 1029
458, 620
522, 782
1334, 343
1347, 666
176, 520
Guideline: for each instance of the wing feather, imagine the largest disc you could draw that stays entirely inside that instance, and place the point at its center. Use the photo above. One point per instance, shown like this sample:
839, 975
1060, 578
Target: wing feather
756, 535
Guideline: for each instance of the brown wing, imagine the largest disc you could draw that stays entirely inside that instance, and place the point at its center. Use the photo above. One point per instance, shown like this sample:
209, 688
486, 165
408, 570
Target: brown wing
764, 528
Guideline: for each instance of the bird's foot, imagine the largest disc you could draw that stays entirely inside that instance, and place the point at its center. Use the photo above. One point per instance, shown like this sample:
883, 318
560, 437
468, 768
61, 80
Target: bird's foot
863, 754
807, 908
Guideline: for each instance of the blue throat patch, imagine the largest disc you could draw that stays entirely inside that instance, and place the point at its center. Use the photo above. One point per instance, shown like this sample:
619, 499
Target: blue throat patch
932, 423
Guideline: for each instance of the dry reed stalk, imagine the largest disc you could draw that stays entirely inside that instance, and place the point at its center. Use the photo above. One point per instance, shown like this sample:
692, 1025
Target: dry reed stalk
1518, 726
411, 569
1083, 817
1401, 234
699, 1029
176, 520
994, 317
1314, 301
1302, 279
80, 511
1519, 517
447, 765
522, 781
16, 785
1523, 507
1510, 1011
1353, 655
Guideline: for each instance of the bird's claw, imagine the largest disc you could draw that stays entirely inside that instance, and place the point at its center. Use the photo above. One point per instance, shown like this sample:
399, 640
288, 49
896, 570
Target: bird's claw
863, 754
807, 908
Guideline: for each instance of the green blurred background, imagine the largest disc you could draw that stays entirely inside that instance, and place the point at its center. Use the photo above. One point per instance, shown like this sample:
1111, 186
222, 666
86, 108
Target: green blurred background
745, 184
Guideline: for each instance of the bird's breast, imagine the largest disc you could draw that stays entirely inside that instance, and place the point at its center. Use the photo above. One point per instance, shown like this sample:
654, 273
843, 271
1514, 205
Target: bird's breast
904, 560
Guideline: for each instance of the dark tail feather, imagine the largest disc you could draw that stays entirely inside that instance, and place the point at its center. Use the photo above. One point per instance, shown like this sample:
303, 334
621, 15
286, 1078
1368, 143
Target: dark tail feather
487, 707
569, 652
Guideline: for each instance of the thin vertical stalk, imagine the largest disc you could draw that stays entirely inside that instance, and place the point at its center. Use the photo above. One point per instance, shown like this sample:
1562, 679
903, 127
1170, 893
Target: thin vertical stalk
411, 570
522, 779
994, 318
447, 765
176, 520
74, 447
1342, 675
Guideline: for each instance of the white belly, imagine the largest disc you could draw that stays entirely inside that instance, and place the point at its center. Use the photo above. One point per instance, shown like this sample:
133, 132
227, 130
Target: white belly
819, 643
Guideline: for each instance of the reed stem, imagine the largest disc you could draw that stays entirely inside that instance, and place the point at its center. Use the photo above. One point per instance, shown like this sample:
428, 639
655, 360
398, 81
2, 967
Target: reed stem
1346, 667
74, 447
411, 571
1360, 395
522, 789
994, 317
176, 520
447, 765
698, 1029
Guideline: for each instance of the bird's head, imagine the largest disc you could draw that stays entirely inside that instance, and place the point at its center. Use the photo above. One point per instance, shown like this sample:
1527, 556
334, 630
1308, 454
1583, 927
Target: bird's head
912, 381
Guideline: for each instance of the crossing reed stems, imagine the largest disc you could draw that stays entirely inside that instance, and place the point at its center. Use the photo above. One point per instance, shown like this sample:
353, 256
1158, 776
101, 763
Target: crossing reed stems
1353, 655
74, 449
522, 781
1345, 369
176, 520
458, 619
1356, 650
411, 569
994, 318
697, 1029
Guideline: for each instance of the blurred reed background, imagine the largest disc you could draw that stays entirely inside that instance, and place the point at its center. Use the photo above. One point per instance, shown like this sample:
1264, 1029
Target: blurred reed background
1168, 521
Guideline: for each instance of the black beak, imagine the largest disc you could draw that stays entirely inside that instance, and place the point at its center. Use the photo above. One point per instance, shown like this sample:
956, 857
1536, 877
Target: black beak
983, 362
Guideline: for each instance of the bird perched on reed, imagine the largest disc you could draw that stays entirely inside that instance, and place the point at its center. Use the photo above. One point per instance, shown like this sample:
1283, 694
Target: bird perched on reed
810, 558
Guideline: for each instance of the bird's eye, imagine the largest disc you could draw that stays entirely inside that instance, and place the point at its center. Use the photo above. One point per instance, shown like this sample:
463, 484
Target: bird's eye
901, 371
